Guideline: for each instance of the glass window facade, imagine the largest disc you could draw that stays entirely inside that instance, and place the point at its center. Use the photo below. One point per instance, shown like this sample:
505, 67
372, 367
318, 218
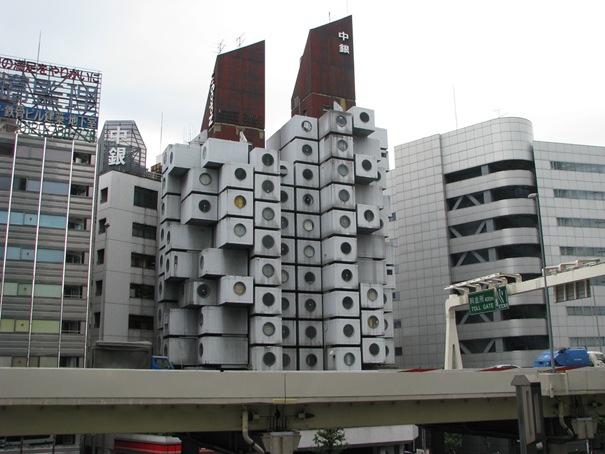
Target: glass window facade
145, 198
577, 167
579, 194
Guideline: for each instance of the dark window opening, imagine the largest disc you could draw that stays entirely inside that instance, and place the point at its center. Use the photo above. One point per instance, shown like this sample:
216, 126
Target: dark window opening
71, 327
104, 195
103, 225
525, 343
98, 288
75, 257
82, 158
145, 198
100, 256
140, 322
142, 261
79, 190
142, 291
73, 291
144, 231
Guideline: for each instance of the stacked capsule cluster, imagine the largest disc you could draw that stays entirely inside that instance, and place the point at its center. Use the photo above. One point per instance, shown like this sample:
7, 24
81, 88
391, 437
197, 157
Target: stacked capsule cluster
276, 258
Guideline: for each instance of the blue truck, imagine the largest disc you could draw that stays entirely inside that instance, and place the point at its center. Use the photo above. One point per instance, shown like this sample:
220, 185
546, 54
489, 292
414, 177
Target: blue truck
571, 357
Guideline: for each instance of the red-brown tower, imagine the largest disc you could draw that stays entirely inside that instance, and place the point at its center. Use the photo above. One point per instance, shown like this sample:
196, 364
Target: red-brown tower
236, 98
327, 70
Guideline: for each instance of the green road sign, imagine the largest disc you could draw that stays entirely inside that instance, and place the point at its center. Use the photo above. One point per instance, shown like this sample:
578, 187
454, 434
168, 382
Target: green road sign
487, 300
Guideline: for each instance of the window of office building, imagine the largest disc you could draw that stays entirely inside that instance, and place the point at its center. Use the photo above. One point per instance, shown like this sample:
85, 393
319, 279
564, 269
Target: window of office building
75, 257
582, 251
143, 322
142, 291
71, 327
581, 222
47, 290
143, 231
103, 225
587, 311
577, 167
104, 195
145, 198
99, 287
49, 187
587, 341
73, 291
100, 256
82, 158
78, 224
96, 320
79, 190
578, 194
142, 261
68, 361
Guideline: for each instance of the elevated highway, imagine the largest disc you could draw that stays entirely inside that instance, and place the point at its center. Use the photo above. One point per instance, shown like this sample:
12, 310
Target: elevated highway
34, 401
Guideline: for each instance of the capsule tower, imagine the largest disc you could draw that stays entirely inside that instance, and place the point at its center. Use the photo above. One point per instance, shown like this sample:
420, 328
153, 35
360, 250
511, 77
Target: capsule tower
276, 257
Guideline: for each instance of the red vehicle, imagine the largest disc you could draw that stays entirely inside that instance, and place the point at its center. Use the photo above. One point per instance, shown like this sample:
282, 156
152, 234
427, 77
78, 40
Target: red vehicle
148, 444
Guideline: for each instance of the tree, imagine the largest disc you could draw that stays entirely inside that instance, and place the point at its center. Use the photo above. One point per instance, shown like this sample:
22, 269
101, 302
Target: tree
330, 441
452, 442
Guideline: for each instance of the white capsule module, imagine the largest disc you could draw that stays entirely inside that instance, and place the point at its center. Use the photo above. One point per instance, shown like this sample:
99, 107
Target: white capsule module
363, 120
267, 243
339, 249
266, 271
308, 278
342, 331
308, 252
267, 187
288, 224
181, 158
180, 322
235, 202
288, 304
288, 251
286, 173
180, 265
265, 330
288, 278
388, 325
337, 197
336, 146
310, 305
216, 262
371, 271
267, 301
306, 175
368, 218
310, 333
267, 215
369, 194
373, 350
199, 292
287, 198
180, 350
389, 349
371, 246
300, 150
199, 181
167, 291
177, 236
231, 351
199, 209
265, 161
381, 135
366, 169
236, 290
335, 122
372, 322
310, 359
307, 200
289, 359
288, 332
341, 303
340, 276
170, 208
216, 152
308, 226
343, 358
298, 127
367, 146
338, 222
341, 171
236, 233
235, 176
171, 184
223, 320
371, 296
267, 358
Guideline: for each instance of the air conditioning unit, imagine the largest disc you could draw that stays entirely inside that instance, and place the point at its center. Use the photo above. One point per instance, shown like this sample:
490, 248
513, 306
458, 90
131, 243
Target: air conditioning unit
288, 224
335, 146
308, 278
288, 333
372, 322
231, 351
372, 271
390, 277
170, 208
266, 271
388, 300
288, 304
371, 296
307, 200
235, 202
310, 333
340, 171
267, 358
181, 158
340, 303
288, 278
389, 330
286, 197
265, 161
340, 276
335, 122
180, 350
179, 265
235, 290
308, 252
366, 169
216, 152
199, 292
267, 301
342, 331
367, 146
180, 322
381, 135
222, 320
371, 246
373, 350
199, 209
298, 127
177, 236
368, 218
338, 222
236, 233
171, 184
363, 120
286, 173
300, 150
223, 262
310, 359
267, 188
369, 194
267, 215
337, 196
289, 359
288, 251
167, 291
267, 243
306, 175
199, 180
338, 249
265, 330
235, 176
389, 350
308, 226
310, 305
343, 358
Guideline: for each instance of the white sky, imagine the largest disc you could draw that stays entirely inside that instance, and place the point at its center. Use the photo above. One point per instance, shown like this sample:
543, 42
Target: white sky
543, 60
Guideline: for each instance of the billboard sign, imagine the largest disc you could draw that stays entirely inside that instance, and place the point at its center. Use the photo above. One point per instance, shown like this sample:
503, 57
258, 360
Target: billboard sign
49, 100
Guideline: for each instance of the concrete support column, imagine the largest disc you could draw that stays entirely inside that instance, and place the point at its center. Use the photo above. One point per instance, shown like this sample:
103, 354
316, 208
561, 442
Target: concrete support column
281, 442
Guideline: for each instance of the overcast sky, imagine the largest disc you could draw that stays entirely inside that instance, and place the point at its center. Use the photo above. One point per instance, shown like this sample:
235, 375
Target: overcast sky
542, 60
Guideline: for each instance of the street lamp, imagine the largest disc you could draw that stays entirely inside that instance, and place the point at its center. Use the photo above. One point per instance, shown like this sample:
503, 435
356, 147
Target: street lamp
534, 196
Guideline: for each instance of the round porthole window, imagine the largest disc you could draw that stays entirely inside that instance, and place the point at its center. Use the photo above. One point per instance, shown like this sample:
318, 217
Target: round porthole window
308, 199
268, 299
342, 170
239, 288
363, 116
285, 276
346, 247
268, 270
267, 159
268, 329
239, 201
309, 277
201, 319
239, 230
374, 349
308, 225
307, 174
283, 196
168, 237
205, 178
284, 249
372, 294
306, 125
349, 359
373, 321
268, 241
285, 332
348, 330
286, 360
285, 304
284, 222
268, 186
311, 360
341, 120
269, 359
203, 290
345, 222
307, 149
346, 275
366, 165
283, 171
310, 305
342, 145
240, 173
347, 302
309, 251
344, 195
268, 214
368, 215
311, 332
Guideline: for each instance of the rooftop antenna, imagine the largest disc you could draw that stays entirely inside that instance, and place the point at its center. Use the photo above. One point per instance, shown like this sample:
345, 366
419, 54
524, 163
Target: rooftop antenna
240, 40
455, 108
220, 46
161, 129
39, 42
329, 19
